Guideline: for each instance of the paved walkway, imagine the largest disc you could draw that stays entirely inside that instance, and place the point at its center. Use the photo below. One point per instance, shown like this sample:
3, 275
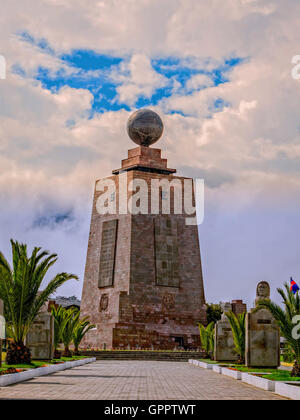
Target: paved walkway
135, 380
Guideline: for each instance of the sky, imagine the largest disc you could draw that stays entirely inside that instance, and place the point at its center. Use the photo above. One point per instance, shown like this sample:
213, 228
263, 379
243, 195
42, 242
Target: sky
220, 75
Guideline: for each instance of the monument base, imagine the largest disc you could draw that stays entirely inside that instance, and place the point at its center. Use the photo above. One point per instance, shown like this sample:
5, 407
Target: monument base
262, 340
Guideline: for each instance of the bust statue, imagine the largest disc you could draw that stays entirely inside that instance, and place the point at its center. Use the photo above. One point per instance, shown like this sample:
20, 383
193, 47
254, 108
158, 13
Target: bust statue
226, 307
262, 292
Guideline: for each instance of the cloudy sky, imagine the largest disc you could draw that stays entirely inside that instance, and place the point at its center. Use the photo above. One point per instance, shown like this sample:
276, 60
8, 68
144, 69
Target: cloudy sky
219, 74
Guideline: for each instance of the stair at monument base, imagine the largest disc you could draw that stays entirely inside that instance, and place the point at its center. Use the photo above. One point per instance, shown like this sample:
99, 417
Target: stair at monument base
177, 356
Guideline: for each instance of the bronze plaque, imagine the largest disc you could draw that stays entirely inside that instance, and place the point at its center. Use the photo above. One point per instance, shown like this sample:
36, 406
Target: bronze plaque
166, 252
108, 251
264, 321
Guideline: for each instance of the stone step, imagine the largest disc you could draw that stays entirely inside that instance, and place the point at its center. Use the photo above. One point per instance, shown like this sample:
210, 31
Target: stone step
143, 355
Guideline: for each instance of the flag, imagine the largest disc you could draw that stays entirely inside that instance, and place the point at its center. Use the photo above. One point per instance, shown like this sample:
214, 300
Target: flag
294, 286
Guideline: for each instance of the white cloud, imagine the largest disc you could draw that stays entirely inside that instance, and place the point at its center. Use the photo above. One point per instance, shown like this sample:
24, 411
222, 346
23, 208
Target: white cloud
137, 78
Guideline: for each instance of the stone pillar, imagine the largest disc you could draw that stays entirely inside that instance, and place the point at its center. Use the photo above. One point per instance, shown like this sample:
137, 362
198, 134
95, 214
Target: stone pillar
262, 334
238, 307
40, 338
224, 344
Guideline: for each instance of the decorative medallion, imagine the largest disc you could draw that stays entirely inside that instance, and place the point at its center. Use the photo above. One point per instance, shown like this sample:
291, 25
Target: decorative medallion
104, 303
168, 301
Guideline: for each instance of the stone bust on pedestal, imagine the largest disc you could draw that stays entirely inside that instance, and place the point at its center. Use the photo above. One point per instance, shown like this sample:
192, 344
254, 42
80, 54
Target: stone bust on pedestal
262, 333
262, 292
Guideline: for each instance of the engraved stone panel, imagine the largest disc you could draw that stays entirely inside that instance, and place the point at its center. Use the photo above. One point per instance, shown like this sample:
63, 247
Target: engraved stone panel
40, 338
166, 252
108, 250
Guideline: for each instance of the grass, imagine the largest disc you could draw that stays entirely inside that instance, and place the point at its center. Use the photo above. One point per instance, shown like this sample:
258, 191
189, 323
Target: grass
212, 362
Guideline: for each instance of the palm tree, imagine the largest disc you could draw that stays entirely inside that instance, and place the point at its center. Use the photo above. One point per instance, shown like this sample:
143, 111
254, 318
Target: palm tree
238, 327
71, 318
284, 319
59, 324
206, 338
82, 328
19, 289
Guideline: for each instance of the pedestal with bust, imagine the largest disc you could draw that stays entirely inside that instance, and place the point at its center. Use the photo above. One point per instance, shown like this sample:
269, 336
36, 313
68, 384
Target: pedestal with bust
224, 344
262, 333
143, 285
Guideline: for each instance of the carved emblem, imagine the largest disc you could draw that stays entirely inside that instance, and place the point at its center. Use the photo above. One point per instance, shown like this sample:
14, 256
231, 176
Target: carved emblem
168, 301
103, 303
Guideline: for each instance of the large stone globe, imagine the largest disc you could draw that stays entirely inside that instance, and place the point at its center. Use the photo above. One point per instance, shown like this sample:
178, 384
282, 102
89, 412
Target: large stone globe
145, 127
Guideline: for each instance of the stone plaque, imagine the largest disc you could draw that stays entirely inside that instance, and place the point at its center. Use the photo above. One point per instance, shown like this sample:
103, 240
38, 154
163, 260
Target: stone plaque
224, 344
40, 338
166, 252
108, 250
262, 340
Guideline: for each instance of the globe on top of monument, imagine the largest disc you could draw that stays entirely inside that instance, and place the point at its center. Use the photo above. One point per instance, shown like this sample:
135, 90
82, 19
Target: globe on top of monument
145, 127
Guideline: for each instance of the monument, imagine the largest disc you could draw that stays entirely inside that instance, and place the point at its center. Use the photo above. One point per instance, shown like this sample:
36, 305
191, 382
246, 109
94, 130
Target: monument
40, 338
224, 344
143, 284
262, 333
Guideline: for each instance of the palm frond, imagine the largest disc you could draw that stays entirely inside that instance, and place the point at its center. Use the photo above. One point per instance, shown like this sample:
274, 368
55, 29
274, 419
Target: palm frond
20, 284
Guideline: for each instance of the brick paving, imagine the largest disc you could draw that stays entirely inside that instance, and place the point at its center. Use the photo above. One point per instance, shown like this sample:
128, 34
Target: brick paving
135, 380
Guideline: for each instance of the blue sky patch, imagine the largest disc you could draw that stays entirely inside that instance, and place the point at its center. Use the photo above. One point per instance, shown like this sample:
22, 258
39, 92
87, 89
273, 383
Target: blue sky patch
53, 220
87, 69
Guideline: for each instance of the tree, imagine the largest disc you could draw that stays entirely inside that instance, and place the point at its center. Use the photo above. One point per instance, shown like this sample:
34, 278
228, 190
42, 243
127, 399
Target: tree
285, 319
238, 327
82, 328
71, 319
19, 289
59, 324
207, 339
214, 313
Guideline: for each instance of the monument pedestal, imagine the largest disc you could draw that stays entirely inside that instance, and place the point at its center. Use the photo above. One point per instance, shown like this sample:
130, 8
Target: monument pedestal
262, 333
40, 338
262, 340
224, 344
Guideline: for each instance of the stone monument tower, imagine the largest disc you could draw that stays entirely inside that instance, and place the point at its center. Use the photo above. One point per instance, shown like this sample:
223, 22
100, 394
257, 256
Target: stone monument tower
143, 285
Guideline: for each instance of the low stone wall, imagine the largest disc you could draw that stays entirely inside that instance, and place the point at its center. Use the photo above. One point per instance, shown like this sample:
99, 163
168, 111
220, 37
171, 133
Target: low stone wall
14, 378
